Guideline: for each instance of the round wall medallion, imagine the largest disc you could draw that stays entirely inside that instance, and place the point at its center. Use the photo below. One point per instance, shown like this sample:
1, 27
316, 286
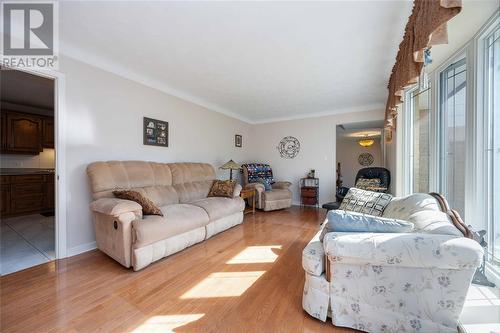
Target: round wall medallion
365, 159
289, 147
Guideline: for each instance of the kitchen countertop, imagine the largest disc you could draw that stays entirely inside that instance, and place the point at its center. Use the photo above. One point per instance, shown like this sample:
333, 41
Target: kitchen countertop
25, 171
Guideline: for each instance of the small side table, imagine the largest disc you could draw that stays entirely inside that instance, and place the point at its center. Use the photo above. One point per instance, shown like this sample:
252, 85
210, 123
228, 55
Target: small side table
248, 194
309, 191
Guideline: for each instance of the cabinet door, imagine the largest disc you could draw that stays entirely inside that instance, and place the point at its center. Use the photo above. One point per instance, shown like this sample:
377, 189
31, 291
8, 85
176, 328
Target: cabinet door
24, 133
48, 132
3, 129
50, 193
4, 199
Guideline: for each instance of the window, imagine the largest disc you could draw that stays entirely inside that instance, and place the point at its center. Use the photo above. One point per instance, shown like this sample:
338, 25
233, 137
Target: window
492, 142
419, 141
452, 132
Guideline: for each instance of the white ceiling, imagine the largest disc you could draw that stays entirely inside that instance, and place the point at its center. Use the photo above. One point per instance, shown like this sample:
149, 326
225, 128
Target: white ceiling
359, 130
253, 60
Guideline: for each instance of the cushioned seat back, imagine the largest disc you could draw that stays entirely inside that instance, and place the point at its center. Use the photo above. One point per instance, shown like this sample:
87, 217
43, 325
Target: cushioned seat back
192, 181
424, 212
164, 183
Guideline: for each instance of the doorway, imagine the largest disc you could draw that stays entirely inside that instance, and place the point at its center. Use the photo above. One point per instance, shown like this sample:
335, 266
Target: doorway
27, 170
359, 145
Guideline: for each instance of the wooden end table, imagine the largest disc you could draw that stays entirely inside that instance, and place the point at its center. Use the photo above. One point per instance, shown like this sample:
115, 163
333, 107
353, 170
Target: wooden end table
248, 194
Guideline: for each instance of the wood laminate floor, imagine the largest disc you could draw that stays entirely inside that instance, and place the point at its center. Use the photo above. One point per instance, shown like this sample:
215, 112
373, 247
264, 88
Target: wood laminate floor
246, 279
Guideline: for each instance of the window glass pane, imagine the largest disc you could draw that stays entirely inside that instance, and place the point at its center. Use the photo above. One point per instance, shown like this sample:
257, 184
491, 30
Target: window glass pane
453, 126
420, 141
492, 74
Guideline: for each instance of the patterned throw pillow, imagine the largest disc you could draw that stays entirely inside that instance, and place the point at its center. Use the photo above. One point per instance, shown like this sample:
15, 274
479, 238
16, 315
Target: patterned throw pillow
371, 184
222, 188
148, 206
367, 202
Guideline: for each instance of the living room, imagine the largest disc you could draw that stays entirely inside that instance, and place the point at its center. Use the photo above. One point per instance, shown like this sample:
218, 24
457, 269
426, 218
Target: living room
165, 99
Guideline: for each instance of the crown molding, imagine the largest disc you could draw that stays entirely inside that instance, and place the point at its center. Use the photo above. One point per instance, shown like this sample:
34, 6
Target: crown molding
107, 66
110, 67
354, 109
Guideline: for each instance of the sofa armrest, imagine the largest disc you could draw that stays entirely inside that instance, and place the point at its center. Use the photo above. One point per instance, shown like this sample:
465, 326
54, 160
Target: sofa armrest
281, 185
237, 191
403, 249
114, 206
257, 186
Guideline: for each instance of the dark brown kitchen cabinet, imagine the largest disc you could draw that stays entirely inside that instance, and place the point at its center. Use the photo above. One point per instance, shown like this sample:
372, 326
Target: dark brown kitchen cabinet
48, 132
3, 129
27, 194
4, 196
50, 192
23, 133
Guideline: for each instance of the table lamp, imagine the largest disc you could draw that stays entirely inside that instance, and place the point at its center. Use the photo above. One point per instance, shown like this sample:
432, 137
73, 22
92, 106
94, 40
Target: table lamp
231, 165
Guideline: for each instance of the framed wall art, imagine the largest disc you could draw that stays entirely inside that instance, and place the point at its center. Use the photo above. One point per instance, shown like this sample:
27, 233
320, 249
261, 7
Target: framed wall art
238, 140
155, 132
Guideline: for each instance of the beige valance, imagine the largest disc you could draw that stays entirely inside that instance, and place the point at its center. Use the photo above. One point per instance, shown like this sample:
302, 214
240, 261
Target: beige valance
426, 27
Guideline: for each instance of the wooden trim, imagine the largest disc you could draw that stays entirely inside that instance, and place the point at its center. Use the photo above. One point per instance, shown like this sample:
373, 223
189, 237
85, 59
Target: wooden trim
453, 214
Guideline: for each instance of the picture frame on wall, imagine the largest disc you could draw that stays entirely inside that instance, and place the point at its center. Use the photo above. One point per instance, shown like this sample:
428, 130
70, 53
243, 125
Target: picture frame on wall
238, 140
155, 132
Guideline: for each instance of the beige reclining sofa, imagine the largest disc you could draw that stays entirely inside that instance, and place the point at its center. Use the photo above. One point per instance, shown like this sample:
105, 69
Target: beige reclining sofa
179, 189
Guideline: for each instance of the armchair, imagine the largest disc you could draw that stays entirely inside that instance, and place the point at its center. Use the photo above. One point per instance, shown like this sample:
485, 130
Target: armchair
388, 282
278, 197
368, 173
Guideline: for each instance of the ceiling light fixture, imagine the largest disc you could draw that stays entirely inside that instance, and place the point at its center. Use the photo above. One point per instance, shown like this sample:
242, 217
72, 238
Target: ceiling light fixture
366, 142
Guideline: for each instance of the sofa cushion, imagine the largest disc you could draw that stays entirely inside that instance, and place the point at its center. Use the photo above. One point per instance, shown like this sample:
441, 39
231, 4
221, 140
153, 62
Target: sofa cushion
178, 219
401, 208
342, 221
193, 191
423, 211
218, 207
161, 195
277, 194
367, 202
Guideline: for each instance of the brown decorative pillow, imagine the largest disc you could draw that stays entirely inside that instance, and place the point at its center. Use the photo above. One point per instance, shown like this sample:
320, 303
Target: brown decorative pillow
148, 206
222, 188
371, 184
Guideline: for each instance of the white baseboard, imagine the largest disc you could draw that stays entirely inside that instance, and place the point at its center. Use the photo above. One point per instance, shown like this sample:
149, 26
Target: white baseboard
81, 249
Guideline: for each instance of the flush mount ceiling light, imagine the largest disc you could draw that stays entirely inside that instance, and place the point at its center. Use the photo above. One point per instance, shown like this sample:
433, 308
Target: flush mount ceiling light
366, 142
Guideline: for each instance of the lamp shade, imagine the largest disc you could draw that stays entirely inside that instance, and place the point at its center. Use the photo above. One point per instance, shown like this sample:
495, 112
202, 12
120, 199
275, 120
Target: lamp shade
232, 165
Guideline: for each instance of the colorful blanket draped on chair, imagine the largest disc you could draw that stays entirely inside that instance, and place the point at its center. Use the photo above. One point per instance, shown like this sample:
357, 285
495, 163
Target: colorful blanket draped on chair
257, 170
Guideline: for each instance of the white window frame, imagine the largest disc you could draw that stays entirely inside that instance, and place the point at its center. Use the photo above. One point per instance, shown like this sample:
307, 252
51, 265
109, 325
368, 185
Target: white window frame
483, 201
476, 198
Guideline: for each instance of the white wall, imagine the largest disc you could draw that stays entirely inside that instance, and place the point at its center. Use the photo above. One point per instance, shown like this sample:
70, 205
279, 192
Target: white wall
44, 160
103, 121
348, 151
317, 148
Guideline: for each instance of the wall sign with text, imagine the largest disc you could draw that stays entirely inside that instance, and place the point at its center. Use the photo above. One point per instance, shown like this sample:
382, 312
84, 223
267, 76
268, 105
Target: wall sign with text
155, 132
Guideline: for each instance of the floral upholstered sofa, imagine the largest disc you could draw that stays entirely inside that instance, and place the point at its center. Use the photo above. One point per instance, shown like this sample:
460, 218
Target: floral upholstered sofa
393, 282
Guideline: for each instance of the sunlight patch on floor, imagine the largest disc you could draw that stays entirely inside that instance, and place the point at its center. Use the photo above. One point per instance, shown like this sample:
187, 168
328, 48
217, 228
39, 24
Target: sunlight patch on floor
166, 323
223, 284
481, 312
256, 254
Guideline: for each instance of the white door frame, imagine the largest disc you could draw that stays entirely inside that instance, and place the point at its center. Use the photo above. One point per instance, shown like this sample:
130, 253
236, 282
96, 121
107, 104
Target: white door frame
60, 155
